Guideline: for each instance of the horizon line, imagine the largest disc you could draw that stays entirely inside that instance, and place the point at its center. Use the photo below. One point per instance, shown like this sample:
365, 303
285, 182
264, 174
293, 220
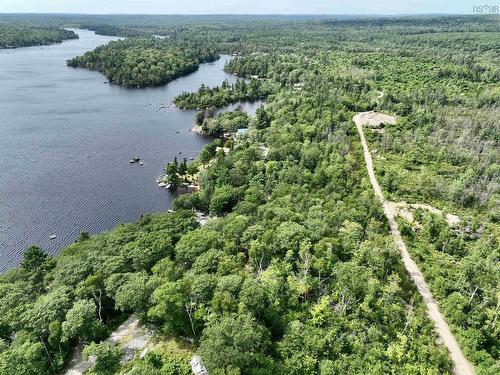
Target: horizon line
250, 14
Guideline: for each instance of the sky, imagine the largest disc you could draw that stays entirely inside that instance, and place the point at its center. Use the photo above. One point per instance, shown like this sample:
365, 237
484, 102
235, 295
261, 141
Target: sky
241, 7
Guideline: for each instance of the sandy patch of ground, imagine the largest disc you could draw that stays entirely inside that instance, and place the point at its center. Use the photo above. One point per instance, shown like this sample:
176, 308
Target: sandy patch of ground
197, 129
405, 210
374, 119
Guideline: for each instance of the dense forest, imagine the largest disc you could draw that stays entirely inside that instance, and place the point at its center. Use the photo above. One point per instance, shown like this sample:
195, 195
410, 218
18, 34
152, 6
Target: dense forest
240, 91
229, 121
13, 36
296, 275
295, 271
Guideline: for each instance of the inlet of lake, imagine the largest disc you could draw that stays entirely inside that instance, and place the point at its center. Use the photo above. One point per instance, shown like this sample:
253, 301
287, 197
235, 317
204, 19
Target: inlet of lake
66, 138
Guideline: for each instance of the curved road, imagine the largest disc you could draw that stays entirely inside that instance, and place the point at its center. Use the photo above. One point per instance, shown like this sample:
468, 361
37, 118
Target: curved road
461, 365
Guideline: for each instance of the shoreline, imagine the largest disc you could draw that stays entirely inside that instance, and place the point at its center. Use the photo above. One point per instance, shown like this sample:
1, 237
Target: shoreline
136, 196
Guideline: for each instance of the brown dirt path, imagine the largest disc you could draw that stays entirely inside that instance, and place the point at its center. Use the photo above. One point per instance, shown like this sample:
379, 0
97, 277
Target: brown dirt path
461, 365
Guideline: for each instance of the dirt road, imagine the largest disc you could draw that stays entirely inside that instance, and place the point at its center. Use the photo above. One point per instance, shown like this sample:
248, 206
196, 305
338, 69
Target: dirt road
461, 365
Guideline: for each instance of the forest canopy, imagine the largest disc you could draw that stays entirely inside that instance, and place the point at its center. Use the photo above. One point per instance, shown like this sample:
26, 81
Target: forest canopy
143, 62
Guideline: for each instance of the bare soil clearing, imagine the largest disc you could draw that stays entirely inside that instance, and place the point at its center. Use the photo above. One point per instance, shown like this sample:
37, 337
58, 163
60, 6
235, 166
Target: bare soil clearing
374, 119
129, 335
461, 365
405, 211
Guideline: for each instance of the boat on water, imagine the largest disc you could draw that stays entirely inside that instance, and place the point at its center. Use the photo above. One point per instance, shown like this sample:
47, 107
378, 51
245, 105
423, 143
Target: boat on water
135, 159
53, 237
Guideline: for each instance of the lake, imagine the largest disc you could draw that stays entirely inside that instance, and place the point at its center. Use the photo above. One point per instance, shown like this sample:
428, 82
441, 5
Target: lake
66, 139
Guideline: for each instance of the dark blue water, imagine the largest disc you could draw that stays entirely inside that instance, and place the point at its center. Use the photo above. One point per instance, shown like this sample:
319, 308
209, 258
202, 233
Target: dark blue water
66, 139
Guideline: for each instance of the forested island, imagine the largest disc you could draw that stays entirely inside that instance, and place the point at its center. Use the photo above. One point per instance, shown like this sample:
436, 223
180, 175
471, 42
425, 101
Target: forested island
14, 35
144, 62
295, 271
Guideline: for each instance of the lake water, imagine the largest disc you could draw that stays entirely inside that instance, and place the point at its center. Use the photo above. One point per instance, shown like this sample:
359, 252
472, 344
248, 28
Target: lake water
66, 138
